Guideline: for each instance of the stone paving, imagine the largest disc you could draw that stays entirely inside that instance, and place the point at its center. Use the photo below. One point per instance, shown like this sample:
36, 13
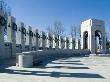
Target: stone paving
75, 69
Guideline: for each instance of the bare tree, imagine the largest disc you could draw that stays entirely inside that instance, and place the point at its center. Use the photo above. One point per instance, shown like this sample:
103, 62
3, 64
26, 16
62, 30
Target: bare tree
50, 30
75, 31
108, 36
58, 28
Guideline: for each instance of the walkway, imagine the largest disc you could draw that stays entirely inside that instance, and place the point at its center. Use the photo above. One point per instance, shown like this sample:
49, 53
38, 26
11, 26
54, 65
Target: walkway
76, 69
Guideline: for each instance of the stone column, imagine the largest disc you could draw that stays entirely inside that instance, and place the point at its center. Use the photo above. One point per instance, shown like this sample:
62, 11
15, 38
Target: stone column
21, 36
2, 26
11, 34
47, 41
53, 40
38, 39
65, 44
70, 43
73, 43
56, 42
35, 39
29, 36
59, 46
62, 43
77, 44
43, 40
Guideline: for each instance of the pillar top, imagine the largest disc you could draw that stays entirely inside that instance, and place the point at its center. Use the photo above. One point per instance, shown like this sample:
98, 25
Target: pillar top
11, 19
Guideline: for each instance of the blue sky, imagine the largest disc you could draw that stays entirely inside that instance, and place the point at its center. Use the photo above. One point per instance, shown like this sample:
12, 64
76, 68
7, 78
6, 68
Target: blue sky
41, 13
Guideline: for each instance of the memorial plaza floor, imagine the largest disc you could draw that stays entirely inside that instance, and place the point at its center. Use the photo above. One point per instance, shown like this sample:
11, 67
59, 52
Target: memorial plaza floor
74, 69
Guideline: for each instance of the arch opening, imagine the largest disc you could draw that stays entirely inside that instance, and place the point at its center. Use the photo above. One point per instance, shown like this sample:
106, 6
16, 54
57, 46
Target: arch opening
98, 40
85, 44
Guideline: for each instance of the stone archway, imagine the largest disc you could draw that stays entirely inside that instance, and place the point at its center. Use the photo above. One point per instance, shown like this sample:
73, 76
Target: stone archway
93, 36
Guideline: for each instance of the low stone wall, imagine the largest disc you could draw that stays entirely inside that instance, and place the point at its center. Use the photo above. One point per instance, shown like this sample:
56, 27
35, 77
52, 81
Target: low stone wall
104, 51
43, 55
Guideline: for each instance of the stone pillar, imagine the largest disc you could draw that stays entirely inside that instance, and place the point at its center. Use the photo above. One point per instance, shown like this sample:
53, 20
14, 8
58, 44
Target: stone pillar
47, 41
65, 44
35, 40
21, 36
77, 44
53, 40
59, 46
62, 43
71, 43
2, 26
43, 40
29, 36
11, 34
38, 39
56, 42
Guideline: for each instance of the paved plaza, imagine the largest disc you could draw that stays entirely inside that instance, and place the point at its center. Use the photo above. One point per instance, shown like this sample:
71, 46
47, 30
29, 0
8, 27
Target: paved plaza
75, 69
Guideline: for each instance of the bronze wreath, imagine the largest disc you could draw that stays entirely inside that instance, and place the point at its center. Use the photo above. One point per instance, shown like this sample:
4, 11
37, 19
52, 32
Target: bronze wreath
2, 21
31, 33
50, 38
23, 30
62, 40
37, 35
14, 26
44, 37
73, 42
34, 34
67, 41
56, 39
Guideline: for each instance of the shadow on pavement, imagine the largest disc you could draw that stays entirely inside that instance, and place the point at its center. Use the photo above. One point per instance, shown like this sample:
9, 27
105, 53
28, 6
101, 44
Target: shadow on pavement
51, 74
58, 67
67, 63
